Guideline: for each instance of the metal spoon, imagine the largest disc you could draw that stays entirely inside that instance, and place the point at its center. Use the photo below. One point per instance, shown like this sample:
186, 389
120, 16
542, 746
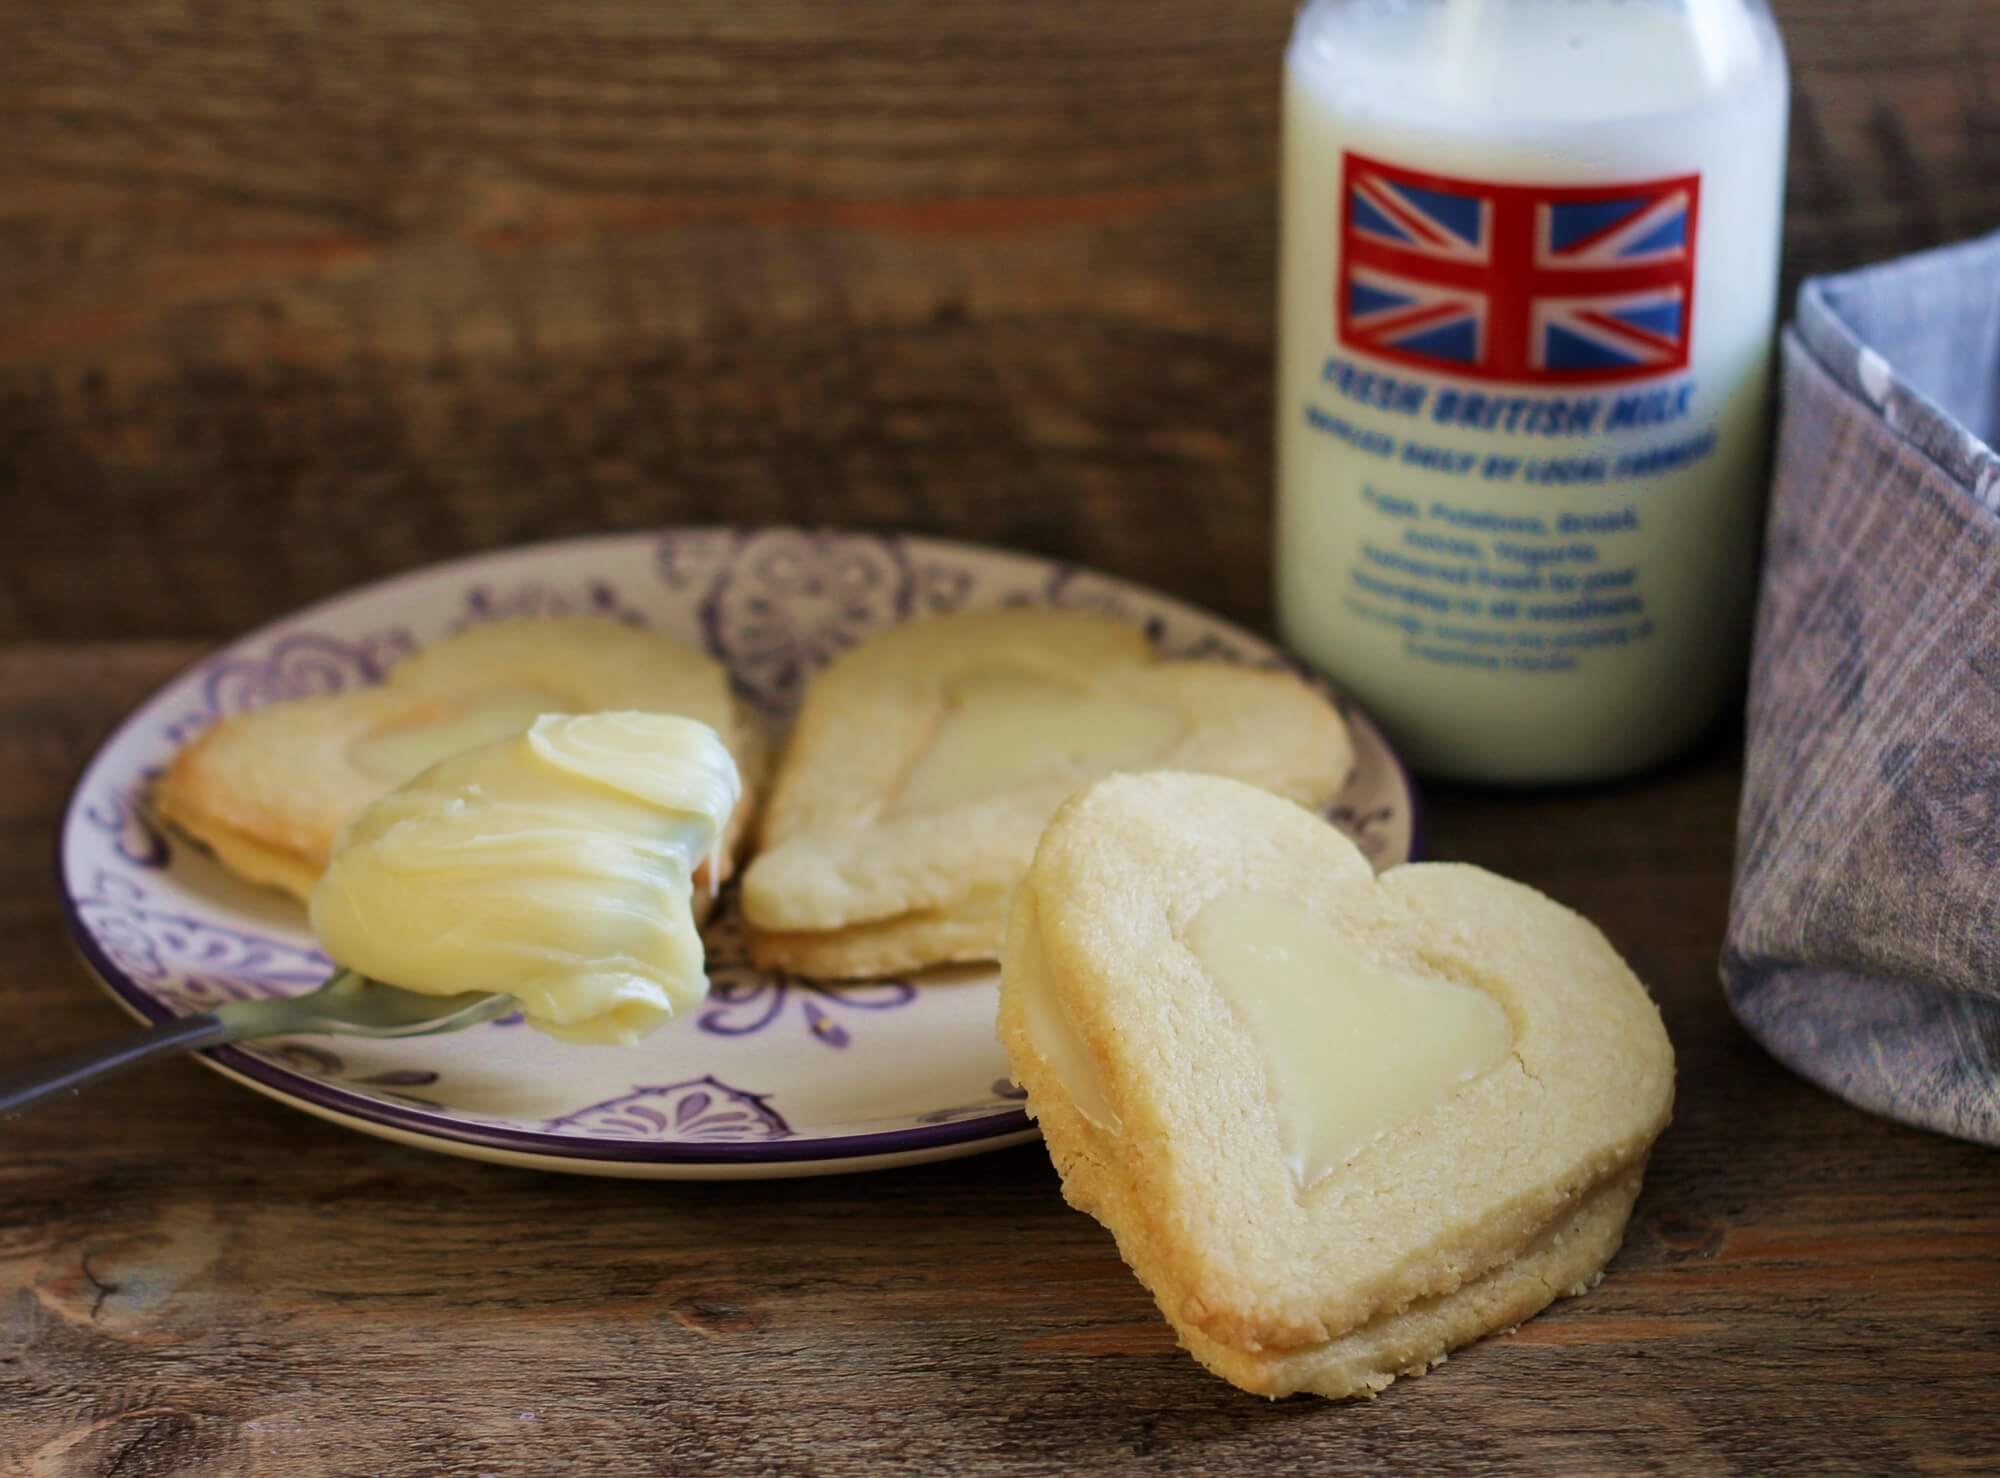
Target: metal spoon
348, 1005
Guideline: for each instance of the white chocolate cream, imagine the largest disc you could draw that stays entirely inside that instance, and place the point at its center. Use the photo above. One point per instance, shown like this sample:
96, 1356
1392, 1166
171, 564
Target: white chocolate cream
437, 731
1005, 731
555, 865
1351, 1050
1053, 1035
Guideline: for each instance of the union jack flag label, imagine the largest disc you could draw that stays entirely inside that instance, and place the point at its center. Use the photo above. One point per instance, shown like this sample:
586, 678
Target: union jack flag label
1533, 284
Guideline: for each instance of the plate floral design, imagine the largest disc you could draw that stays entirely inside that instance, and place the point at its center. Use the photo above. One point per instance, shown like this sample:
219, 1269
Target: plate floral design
773, 1075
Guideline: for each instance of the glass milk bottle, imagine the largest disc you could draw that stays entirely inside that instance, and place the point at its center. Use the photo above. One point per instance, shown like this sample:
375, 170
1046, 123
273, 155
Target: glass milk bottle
1528, 280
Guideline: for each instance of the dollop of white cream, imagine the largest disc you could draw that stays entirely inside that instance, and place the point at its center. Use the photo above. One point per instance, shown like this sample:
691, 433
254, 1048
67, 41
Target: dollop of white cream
556, 865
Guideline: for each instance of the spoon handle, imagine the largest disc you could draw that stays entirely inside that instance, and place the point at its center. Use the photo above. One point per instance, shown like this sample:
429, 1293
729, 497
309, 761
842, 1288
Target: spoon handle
66, 1074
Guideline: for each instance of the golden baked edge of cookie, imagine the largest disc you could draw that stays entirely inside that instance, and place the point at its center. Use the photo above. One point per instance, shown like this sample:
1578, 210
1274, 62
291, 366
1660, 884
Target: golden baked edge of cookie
1567, 1260
216, 791
244, 857
963, 934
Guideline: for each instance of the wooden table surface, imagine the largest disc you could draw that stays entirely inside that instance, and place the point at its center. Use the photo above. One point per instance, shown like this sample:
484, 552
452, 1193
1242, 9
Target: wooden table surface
194, 1279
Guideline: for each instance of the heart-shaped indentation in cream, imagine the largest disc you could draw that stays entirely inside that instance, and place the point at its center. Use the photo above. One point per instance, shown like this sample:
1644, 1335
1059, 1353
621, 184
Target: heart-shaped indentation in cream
1005, 731
1350, 1049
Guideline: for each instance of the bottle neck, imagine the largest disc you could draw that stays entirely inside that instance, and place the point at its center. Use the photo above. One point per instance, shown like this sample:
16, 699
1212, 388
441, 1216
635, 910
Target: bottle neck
1535, 61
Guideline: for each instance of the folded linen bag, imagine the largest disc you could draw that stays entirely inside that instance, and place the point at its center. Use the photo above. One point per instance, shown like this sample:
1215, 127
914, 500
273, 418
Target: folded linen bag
1864, 939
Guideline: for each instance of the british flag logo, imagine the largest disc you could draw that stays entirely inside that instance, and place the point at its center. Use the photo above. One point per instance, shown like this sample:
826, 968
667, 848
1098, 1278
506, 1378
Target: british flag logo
1558, 284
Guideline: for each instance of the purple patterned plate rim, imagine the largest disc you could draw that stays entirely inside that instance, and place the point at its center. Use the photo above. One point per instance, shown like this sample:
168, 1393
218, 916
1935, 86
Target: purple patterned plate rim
526, 1141
1007, 1125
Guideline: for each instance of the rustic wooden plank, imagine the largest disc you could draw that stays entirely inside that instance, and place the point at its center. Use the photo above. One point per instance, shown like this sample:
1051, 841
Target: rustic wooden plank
292, 296
196, 1280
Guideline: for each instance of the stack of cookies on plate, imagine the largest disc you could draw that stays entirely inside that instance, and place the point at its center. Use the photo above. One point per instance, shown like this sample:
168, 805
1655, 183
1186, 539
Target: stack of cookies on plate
1338, 1124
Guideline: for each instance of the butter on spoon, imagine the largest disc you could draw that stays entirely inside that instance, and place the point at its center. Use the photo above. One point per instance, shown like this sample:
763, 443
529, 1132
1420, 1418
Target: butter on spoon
553, 871
555, 866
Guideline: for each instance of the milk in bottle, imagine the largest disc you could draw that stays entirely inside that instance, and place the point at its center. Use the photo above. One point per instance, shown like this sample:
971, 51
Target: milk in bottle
1528, 283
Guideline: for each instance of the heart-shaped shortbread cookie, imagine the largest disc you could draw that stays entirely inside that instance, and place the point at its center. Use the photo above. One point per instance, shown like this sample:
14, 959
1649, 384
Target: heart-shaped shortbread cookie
268, 791
927, 760
1337, 1123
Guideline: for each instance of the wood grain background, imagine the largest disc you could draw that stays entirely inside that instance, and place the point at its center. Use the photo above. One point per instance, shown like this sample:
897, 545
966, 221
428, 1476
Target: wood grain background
296, 293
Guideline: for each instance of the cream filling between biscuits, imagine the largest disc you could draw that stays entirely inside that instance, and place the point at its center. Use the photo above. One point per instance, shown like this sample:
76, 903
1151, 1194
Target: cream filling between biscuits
1004, 731
259, 864
395, 754
555, 866
1053, 1034
1351, 1050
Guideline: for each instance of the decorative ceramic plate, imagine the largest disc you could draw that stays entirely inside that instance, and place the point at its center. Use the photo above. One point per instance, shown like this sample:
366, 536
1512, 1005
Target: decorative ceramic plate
772, 1075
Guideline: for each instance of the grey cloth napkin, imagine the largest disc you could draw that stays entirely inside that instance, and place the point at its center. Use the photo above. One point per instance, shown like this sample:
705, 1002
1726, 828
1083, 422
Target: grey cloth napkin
1864, 937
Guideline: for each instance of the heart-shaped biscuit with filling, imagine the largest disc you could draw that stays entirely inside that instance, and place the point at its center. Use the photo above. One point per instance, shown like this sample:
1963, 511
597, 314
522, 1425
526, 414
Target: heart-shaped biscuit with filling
268, 791
1338, 1124
927, 760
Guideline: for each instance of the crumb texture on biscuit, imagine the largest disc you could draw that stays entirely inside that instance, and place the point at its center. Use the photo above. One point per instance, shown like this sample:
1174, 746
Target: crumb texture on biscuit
1436, 1224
